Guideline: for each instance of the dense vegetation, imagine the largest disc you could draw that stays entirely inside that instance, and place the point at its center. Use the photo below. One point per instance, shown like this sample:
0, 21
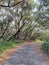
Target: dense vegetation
23, 20
45, 46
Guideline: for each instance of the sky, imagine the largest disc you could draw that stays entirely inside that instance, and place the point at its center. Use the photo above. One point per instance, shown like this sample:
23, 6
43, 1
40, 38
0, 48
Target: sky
37, 1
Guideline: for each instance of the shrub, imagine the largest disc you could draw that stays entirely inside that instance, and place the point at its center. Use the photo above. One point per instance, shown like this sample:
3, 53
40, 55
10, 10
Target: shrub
45, 46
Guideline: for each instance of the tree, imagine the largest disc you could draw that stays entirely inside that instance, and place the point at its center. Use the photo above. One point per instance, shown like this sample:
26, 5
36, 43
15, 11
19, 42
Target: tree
26, 17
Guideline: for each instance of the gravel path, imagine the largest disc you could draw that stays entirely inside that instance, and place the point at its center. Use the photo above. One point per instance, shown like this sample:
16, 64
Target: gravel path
27, 55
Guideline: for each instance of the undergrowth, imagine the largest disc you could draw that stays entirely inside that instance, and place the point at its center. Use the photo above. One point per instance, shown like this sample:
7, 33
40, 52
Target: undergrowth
6, 45
45, 46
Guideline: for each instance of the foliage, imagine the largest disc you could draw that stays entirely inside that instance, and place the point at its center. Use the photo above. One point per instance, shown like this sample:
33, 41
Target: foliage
6, 45
45, 46
18, 22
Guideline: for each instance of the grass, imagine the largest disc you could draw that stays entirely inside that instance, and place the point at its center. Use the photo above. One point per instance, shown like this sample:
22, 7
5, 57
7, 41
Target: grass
6, 45
38, 40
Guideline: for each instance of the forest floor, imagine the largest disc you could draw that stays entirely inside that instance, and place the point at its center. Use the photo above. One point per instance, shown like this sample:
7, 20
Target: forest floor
29, 53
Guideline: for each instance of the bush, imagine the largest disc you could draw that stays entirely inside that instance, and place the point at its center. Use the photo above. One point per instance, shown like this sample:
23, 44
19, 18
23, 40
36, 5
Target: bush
45, 46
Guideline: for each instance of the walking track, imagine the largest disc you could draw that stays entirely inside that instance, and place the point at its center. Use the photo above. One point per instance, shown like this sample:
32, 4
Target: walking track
27, 55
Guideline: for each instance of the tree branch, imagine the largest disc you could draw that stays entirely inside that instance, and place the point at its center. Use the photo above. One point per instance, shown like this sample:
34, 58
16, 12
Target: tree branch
11, 5
16, 32
8, 2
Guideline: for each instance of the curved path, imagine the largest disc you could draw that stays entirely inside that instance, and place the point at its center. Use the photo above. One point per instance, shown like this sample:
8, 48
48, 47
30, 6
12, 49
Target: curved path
27, 55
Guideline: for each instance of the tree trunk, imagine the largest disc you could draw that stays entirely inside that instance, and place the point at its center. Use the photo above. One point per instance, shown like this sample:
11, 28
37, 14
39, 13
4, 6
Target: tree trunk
5, 31
14, 35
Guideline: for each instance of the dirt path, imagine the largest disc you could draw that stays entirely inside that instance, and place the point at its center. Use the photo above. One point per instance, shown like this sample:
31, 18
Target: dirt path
28, 54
